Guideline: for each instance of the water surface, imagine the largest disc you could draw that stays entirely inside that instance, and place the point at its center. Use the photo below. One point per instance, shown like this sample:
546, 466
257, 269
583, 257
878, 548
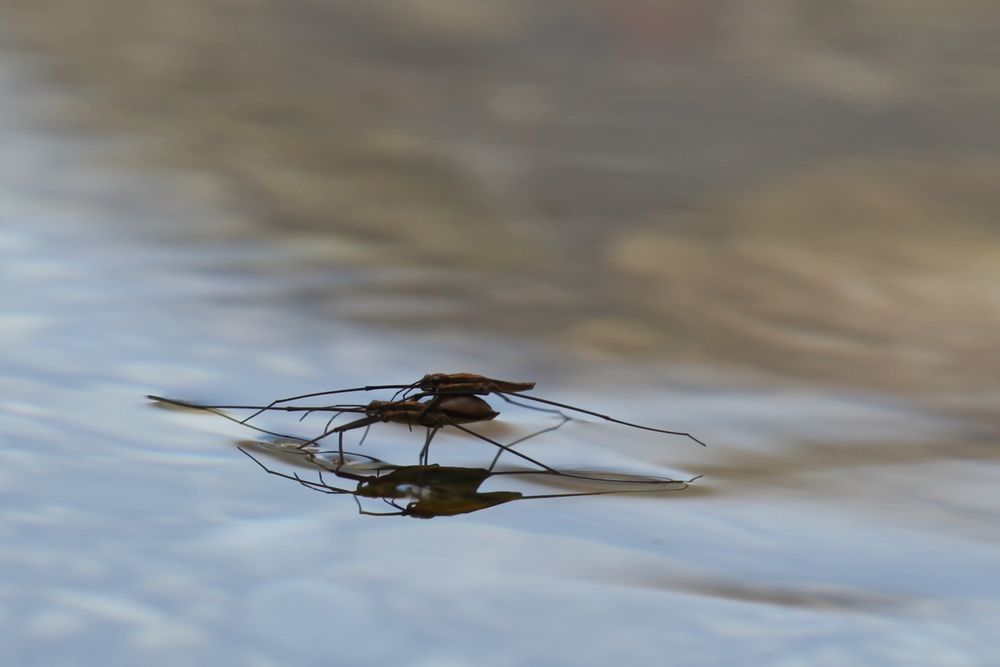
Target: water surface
797, 263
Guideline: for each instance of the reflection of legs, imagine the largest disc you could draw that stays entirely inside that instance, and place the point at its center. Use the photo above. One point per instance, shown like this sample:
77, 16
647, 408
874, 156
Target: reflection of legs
528, 437
320, 486
340, 442
358, 423
387, 502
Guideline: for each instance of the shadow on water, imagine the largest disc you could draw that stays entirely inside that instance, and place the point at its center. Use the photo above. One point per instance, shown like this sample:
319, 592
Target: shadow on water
805, 597
789, 465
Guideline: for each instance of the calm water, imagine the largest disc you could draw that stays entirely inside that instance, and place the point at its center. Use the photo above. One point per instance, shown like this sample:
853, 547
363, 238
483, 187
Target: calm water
644, 207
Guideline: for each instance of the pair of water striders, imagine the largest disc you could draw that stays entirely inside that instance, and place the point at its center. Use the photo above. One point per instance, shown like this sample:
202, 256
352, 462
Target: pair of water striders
434, 401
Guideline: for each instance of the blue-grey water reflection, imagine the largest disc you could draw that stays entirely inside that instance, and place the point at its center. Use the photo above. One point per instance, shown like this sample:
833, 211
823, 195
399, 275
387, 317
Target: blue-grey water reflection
771, 225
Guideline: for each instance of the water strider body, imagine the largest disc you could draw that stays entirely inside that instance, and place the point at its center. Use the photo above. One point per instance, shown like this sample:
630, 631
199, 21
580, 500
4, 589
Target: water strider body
440, 411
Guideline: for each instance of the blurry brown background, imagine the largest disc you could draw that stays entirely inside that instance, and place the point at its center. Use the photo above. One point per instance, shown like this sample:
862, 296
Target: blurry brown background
800, 187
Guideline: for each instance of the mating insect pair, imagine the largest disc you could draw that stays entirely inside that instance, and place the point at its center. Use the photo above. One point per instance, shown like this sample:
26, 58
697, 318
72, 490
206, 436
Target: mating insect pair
435, 401
439, 385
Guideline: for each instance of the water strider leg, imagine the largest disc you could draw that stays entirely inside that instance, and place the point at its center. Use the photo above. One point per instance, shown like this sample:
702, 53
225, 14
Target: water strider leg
528, 437
357, 423
506, 448
216, 411
608, 417
364, 435
425, 452
374, 387
507, 398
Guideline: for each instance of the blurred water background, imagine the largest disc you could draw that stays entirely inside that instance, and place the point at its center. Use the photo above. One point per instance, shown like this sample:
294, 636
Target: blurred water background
771, 223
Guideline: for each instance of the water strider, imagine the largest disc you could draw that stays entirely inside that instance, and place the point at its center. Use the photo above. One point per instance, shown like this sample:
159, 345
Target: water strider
434, 414
444, 384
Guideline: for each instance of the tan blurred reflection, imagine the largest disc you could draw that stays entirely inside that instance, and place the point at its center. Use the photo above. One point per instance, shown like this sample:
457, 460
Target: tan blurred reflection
882, 273
795, 186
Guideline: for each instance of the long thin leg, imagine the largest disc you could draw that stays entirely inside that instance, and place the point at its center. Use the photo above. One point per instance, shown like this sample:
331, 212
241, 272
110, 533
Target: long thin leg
506, 448
651, 481
528, 437
343, 474
307, 409
404, 390
361, 510
358, 423
682, 485
303, 442
344, 407
218, 412
339, 410
548, 469
373, 387
329, 422
609, 418
367, 513
533, 407
425, 452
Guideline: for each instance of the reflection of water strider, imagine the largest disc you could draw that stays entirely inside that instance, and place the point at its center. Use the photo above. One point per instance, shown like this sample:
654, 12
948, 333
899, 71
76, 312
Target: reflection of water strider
446, 490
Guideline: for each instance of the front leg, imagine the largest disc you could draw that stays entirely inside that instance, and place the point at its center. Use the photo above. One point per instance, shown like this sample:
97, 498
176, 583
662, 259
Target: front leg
357, 423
